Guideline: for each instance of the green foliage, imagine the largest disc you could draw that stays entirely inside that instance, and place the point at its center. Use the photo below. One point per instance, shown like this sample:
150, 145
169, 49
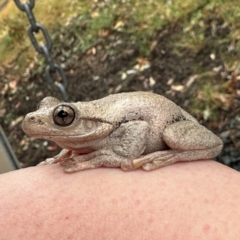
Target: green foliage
9, 117
139, 18
102, 21
16, 28
206, 104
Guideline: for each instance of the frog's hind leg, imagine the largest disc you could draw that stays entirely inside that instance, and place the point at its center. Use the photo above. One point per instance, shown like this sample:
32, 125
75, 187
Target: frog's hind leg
188, 141
129, 165
169, 157
160, 158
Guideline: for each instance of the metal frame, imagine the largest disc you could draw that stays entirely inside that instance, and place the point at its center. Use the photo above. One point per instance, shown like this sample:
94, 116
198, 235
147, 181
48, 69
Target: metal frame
8, 160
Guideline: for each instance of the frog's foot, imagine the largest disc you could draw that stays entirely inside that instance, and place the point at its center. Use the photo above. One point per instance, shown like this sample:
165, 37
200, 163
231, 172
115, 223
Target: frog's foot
76, 158
48, 161
101, 158
132, 164
168, 157
148, 159
162, 159
78, 166
65, 153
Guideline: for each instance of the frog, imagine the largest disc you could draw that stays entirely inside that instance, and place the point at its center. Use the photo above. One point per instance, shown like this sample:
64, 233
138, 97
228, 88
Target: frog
129, 130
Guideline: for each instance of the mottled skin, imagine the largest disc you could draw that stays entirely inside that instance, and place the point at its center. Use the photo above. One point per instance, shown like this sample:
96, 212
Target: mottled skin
127, 130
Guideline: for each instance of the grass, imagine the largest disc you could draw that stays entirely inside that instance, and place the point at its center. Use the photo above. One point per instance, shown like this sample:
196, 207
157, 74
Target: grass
13, 31
139, 19
208, 100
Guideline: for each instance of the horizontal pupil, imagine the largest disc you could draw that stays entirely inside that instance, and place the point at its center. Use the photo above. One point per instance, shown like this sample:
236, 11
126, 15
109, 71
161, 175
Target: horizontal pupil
62, 114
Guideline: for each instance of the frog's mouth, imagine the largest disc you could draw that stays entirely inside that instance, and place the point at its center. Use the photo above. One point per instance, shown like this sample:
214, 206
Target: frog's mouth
77, 137
69, 137
84, 129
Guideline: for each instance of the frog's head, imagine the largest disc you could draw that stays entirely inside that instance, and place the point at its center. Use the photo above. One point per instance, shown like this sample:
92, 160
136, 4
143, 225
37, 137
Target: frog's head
56, 121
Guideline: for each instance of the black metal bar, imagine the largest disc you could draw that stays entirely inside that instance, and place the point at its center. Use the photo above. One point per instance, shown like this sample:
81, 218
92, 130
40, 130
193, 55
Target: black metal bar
45, 49
8, 160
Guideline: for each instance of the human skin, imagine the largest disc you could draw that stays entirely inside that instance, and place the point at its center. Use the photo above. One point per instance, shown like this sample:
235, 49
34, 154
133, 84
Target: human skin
189, 200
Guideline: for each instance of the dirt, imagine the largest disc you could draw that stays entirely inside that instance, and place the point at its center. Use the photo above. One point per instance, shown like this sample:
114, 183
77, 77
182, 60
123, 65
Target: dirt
114, 65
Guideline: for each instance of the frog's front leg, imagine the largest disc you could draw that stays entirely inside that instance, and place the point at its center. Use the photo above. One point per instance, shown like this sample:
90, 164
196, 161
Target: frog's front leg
123, 145
187, 141
64, 154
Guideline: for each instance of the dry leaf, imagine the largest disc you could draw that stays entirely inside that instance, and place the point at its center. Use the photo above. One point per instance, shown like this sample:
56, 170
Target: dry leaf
142, 61
13, 84
152, 82
17, 105
191, 80
170, 81
94, 51
118, 88
15, 122
95, 14
178, 88
5, 89
124, 76
119, 24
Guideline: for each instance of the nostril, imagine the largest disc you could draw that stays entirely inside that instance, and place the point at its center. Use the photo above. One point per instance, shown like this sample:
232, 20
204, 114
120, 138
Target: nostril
40, 122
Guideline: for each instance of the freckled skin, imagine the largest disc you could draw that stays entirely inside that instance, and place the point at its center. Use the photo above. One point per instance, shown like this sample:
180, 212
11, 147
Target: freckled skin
127, 130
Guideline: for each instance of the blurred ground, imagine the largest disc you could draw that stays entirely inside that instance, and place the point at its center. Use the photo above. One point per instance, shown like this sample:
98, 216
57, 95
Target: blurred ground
199, 80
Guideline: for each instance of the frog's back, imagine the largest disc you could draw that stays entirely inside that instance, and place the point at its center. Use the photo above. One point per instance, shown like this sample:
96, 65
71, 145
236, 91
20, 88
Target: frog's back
156, 110
143, 105
135, 99
122, 107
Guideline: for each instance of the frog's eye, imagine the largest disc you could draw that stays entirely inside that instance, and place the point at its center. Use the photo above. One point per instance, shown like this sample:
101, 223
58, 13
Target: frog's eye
63, 115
